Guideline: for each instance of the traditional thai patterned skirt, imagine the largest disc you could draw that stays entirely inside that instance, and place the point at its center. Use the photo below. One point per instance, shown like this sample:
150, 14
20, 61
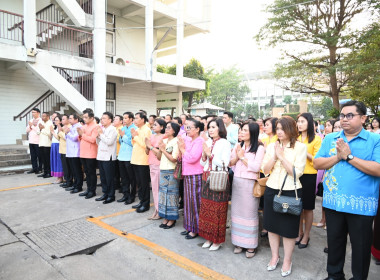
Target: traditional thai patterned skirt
192, 201
168, 195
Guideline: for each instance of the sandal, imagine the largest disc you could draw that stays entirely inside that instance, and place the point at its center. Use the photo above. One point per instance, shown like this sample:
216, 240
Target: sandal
250, 253
238, 250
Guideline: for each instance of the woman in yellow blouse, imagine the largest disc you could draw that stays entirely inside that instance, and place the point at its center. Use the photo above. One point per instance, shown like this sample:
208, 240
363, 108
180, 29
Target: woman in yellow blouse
270, 130
305, 124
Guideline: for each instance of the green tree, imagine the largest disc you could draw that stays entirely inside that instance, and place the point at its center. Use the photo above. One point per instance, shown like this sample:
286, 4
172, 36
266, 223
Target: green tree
248, 109
227, 89
323, 108
313, 35
287, 99
193, 70
364, 69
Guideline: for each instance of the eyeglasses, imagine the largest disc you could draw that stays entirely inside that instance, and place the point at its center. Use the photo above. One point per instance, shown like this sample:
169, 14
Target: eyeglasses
349, 116
189, 127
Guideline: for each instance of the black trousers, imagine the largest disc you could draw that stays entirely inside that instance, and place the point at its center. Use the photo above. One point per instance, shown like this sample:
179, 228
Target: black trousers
142, 179
359, 228
128, 180
116, 183
66, 170
89, 165
45, 156
35, 157
107, 173
181, 194
76, 170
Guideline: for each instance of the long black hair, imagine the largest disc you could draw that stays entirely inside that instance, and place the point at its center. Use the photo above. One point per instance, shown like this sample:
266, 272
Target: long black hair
162, 123
310, 126
254, 131
60, 119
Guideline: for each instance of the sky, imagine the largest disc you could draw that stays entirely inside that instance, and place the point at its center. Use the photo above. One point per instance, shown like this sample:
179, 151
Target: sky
230, 41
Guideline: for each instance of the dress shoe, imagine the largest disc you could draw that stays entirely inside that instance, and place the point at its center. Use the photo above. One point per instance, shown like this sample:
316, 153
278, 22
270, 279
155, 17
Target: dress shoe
326, 250
31, 171
67, 186
264, 234
47, 176
185, 232
332, 278
273, 267
84, 193
286, 273
76, 190
123, 199
162, 225
64, 184
215, 247
70, 188
129, 201
303, 246
41, 175
90, 195
207, 244
142, 209
137, 205
299, 241
188, 236
168, 227
103, 197
109, 200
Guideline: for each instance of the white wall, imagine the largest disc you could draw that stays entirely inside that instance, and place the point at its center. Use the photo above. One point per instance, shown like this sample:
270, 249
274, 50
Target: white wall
18, 89
134, 97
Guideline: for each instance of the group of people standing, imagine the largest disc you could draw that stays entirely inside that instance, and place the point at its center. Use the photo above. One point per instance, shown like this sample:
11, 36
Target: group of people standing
176, 156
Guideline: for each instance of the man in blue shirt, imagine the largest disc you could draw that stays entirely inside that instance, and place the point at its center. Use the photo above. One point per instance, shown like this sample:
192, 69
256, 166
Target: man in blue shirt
351, 159
128, 180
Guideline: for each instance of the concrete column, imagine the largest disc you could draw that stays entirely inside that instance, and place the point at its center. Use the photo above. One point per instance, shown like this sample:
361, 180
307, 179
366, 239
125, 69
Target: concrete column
180, 33
149, 39
178, 109
30, 26
99, 45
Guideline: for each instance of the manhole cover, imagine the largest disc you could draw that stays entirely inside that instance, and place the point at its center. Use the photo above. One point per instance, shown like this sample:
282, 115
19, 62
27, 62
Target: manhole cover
70, 238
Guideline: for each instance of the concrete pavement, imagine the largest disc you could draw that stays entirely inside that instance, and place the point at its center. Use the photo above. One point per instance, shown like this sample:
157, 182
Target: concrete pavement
140, 249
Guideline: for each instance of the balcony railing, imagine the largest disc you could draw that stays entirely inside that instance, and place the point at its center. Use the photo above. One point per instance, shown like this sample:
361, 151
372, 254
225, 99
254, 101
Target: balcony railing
86, 6
11, 26
50, 14
82, 81
53, 36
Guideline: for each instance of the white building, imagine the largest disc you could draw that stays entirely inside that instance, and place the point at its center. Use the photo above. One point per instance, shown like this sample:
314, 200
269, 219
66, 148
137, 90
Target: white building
91, 54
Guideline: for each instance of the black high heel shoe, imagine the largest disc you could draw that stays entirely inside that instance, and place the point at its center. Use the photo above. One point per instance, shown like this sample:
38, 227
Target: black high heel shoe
185, 232
299, 241
172, 225
303, 246
163, 225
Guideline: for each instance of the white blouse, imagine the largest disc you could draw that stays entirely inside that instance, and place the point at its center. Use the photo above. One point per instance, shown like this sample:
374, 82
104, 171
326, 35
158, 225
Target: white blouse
221, 152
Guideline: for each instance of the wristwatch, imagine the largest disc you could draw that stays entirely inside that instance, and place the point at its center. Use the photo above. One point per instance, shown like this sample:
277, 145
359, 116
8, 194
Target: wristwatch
349, 157
151, 148
243, 158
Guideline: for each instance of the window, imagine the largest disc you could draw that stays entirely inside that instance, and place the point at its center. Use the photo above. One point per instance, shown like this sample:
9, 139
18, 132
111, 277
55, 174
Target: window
111, 98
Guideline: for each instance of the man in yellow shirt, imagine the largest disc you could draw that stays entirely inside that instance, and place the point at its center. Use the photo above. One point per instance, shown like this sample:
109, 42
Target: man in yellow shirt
139, 161
45, 143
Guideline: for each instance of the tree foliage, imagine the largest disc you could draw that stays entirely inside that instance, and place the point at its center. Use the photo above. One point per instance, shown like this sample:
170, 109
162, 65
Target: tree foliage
323, 108
314, 37
364, 69
227, 89
193, 70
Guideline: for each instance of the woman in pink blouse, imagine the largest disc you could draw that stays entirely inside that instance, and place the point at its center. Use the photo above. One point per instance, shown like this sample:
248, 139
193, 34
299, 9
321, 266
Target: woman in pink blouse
154, 163
191, 148
247, 157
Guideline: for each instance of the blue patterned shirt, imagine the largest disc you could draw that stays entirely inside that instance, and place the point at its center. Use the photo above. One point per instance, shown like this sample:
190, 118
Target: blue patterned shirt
346, 188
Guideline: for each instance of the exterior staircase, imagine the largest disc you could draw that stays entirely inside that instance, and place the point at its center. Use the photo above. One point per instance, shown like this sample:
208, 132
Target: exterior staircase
14, 159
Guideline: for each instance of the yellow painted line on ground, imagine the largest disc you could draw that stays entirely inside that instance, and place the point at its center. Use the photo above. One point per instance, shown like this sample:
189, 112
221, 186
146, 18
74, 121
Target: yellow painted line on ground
118, 213
24, 187
170, 256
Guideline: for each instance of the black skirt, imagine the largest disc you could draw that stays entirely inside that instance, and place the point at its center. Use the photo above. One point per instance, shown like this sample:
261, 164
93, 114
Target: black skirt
308, 182
285, 225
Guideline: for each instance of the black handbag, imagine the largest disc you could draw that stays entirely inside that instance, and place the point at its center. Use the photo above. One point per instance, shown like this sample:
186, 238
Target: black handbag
288, 204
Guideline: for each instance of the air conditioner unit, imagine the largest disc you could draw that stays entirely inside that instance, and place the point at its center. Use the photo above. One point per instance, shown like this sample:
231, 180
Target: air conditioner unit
120, 61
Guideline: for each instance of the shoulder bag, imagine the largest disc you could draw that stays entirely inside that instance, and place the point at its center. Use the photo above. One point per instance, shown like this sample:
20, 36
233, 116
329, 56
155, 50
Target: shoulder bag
260, 186
218, 179
288, 204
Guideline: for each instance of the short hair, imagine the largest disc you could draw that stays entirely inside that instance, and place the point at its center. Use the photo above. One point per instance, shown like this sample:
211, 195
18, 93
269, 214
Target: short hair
198, 124
46, 113
153, 116
120, 117
229, 114
168, 115
75, 116
360, 107
175, 127
178, 119
141, 110
186, 116
212, 116
162, 123
109, 114
252, 119
142, 116
97, 120
331, 121
130, 115
36, 109
89, 112
289, 126
273, 122
204, 118
222, 128
65, 115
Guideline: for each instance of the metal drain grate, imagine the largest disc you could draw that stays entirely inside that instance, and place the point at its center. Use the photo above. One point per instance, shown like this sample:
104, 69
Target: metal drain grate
70, 238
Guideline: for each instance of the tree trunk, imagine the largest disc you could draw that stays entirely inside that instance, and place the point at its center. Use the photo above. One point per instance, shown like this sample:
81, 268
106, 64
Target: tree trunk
191, 96
333, 79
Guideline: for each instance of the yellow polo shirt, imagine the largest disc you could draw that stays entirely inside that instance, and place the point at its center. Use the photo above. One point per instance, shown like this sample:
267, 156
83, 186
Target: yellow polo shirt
312, 148
139, 157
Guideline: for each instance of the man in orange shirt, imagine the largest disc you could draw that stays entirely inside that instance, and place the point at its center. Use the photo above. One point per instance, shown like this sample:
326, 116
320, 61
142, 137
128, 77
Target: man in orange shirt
88, 152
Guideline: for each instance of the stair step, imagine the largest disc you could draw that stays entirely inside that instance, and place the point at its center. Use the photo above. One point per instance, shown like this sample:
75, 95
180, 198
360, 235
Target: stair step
14, 162
18, 156
13, 149
15, 169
